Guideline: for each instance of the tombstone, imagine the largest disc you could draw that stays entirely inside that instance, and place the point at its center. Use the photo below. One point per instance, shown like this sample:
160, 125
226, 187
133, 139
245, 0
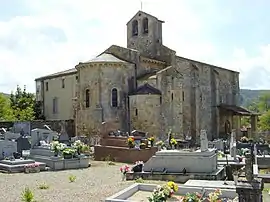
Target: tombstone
23, 144
7, 148
233, 144
11, 136
42, 135
204, 141
63, 137
22, 127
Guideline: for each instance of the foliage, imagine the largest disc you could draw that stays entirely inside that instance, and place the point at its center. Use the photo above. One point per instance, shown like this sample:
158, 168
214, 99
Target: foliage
43, 186
6, 113
72, 178
264, 122
22, 104
27, 195
139, 180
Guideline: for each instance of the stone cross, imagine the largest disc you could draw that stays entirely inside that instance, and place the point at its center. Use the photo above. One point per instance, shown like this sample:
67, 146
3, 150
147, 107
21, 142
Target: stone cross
204, 141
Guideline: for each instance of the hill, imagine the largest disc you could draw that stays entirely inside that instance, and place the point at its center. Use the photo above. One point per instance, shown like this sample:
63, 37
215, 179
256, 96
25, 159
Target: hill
247, 96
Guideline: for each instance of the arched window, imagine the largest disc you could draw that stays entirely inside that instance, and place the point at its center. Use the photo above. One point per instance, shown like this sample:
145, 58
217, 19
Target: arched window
114, 97
145, 25
135, 28
87, 98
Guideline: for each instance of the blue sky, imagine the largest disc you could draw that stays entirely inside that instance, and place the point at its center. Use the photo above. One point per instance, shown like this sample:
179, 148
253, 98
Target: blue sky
39, 37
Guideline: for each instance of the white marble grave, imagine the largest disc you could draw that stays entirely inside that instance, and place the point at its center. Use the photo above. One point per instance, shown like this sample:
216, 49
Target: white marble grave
175, 161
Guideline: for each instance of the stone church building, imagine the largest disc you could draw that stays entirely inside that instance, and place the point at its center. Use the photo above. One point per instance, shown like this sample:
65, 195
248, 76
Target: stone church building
146, 86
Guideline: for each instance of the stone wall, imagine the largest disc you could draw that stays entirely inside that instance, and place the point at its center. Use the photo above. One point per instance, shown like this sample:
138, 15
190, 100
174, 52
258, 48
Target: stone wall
54, 125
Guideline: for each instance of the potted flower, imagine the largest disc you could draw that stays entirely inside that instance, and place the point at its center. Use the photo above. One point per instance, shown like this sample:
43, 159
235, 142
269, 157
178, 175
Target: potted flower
173, 143
151, 140
142, 145
78, 145
68, 153
131, 142
55, 147
32, 168
162, 193
214, 196
192, 197
160, 144
124, 169
244, 139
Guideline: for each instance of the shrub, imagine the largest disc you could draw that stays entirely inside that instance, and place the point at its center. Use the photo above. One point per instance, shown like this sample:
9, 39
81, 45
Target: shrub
27, 195
72, 178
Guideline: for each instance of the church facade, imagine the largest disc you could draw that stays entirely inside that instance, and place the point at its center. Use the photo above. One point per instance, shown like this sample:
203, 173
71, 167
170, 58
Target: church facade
146, 86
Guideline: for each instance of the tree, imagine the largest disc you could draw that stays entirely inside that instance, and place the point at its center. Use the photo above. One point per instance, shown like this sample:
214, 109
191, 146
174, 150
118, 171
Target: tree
6, 113
264, 102
264, 122
23, 104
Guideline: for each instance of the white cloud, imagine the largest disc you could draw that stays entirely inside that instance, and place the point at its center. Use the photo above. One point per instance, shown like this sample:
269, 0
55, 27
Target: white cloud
56, 35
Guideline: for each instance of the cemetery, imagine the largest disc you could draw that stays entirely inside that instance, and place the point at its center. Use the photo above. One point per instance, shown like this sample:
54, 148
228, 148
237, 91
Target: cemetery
226, 170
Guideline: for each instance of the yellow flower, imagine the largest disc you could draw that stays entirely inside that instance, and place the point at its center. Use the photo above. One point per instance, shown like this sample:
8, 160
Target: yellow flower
173, 186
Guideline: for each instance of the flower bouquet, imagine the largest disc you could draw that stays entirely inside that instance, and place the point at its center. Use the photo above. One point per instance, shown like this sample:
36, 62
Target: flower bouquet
160, 144
131, 142
142, 146
173, 142
68, 153
151, 140
32, 168
78, 145
162, 193
124, 169
57, 147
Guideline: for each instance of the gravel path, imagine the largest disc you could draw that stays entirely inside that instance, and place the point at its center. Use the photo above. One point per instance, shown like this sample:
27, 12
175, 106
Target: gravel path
92, 185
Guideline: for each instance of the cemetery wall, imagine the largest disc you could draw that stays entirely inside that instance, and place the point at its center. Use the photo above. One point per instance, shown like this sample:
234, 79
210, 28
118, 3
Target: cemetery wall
54, 125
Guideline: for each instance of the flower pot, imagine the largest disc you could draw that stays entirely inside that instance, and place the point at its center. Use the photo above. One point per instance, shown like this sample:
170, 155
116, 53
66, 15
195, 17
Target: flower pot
152, 143
56, 153
67, 156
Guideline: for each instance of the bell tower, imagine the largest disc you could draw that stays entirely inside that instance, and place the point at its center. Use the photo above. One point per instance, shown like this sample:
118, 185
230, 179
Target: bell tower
144, 33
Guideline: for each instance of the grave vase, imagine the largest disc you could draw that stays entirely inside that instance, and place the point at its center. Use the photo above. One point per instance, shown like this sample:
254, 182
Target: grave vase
56, 153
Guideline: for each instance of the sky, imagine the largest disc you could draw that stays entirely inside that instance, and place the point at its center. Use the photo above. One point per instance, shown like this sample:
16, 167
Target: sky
40, 37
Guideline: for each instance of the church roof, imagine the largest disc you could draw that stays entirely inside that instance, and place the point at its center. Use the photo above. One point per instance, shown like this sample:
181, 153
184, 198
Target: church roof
146, 89
106, 57
62, 73
147, 14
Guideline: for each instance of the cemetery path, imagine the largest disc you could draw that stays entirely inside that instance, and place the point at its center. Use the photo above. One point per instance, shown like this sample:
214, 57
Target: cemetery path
93, 184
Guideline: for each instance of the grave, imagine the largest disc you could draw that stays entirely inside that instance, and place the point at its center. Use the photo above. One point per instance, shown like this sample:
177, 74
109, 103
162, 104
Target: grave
140, 192
10, 162
117, 149
182, 164
41, 151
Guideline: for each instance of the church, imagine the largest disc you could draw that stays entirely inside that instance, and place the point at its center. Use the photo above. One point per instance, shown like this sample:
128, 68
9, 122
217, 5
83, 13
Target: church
146, 86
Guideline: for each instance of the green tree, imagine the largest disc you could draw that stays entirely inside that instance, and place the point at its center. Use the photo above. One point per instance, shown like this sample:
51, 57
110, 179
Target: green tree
264, 121
264, 102
6, 113
23, 104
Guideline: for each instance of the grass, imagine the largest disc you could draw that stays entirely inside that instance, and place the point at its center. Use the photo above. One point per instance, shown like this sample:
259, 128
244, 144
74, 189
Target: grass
27, 195
72, 178
43, 186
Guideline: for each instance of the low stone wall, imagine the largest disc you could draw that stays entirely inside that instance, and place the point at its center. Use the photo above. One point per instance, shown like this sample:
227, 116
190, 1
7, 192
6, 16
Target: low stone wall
122, 154
54, 125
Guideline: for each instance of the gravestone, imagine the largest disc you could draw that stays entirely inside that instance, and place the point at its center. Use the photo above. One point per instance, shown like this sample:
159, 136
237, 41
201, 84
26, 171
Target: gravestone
38, 135
63, 137
233, 144
23, 144
7, 148
11, 136
204, 141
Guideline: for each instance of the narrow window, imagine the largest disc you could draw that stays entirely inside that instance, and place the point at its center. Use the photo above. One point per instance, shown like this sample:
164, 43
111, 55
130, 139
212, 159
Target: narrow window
172, 96
55, 105
114, 97
136, 112
47, 86
135, 28
160, 99
87, 98
63, 83
183, 95
145, 25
